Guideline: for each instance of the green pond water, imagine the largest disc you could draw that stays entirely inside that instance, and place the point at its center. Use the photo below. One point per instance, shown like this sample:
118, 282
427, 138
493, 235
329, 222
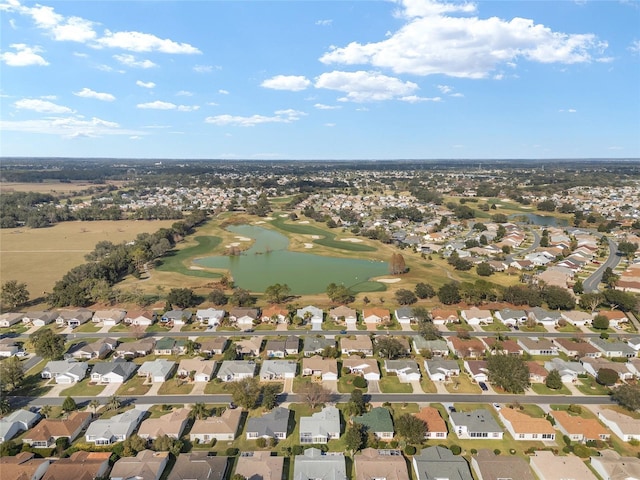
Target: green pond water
268, 261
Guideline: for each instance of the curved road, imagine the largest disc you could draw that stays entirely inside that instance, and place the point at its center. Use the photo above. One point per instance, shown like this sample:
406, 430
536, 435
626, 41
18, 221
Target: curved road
591, 284
534, 245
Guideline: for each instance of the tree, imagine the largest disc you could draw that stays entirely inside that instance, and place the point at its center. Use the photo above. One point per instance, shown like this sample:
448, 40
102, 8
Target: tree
165, 443
405, 297
314, 394
339, 293
424, 290
627, 249
245, 392
45, 411
182, 297
411, 428
600, 322
508, 372
48, 344
270, 393
13, 294
484, 269
547, 206
449, 293
627, 395
94, 405
591, 301
113, 403
609, 278
12, 373
558, 298
625, 301
429, 331
390, 348
578, 287
355, 438
241, 298
199, 411
397, 265
357, 404
553, 380
217, 297
69, 405
607, 377
132, 445
277, 293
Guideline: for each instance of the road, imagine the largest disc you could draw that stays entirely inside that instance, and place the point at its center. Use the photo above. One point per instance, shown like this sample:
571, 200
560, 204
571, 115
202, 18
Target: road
591, 284
531, 248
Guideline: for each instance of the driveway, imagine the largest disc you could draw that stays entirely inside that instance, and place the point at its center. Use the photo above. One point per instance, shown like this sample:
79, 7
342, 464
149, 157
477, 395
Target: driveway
109, 390
331, 385
417, 387
56, 390
154, 388
288, 385
198, 388
374, 386
105, 329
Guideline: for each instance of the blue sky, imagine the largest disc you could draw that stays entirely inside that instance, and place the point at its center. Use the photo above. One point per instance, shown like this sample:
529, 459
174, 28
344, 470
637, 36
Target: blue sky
311, 80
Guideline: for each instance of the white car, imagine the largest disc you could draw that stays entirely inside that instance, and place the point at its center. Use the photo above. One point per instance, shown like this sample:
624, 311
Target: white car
21, 353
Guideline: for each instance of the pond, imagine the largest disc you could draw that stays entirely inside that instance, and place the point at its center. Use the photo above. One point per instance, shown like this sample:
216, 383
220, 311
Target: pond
542, 220
269, 261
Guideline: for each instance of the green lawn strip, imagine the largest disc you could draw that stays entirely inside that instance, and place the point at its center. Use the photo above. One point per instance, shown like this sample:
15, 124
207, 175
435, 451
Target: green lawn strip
106, 414
368, 286
327, 238
157, 411
33, 384
398, 409
427, 384
175, 260
135, 386
175, 386
391, 384
464, 385
83, 389
496, 326
542, 389
214, 387
589, 386
299, 383
345, 383
88, 327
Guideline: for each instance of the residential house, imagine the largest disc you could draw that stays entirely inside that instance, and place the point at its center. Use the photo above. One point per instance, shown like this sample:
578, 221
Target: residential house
9, 319
437, 463
538, 346
115, 429
157, 371
168, 346
377, 421
15, 422
593, 366
146, 465
356, 344
404, 315
522, 264
367, 367
440, 370
442, 316
615, 317
274, 314
404, 343
489, 466
568, 371
625, 427
311, 314
316, 344
321, 426
511, 317
548, 466
576, 349
65, 371
200, 466
577, 318
278, 369
612, 349
45, 433
324, 368
260, 466
80, 466
476, 316
435, 348
99, 349
475, 424
200, 369
545, 317
524, 427
344, 314
503, 347
315, 464
39, 318
139, 348
140, 318
371, 463
466, 348
282, 347
376, 316
273, 424
8, 347
213, 346
610, 465
222, 428
579, 429
171, 424
74, 318
634, 342
249, 347
537, 373
243, 318
234, 370
108, 317
176, 317
113, 372
210, 316
24, 466
407, 370
477, 369
436, 426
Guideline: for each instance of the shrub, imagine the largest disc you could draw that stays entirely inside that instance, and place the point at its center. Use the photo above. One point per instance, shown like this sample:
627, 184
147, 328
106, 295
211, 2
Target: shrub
360, 382
455, 449
566, 449
393, 444
297, 450
582, 450
232, 452
576, 409
261, 442
213, 442
497, 451
566, 440
474, 451
512, 451
410, 450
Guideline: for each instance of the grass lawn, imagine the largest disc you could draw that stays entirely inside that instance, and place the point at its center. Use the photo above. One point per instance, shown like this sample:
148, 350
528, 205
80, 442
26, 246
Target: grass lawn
83, 389
568, 329
300, 382
121, 327
345, 383
157, 328
215, 387
536, 329
88, 327
391, 384
589, 386
34, 385
175, 261
401, 408
172, 387
157, 411
454, 327
135, 386
496, 326
464, 385
542, 389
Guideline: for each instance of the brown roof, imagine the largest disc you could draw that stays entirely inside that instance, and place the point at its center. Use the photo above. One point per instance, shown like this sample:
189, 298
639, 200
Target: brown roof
21, 467
471, 345
228, 422
49, 428
272, 310
170, 424
316, 362
582, 348
377, 311
523, 423
370, 464
443, 313
79, 466
589, 428
509, 346
536, 369
431, 416
360, 342
260, 465
613, 314
213, 343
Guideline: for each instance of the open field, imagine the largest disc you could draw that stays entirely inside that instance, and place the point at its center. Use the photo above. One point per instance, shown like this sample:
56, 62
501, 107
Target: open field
52, 187
40, 257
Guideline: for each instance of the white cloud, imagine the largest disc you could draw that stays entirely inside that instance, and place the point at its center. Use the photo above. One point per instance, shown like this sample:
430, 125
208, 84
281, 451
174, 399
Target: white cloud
23, 56
365, 86
434, 41
131, 61
324, 23
456, 95
73, 29
160, 105
329, 124
12, 24
135, 137
206, 68
281, 116
634, 47
80, 55
88, 93
287, 82
417, 99
144, 42
212, 104
142, 84
41, 106
322, 106
223, 92
68, 127
568, 110
445, 89
184, 93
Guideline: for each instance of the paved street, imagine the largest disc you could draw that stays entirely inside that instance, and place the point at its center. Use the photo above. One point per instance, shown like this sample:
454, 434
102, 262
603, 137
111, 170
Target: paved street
591, 283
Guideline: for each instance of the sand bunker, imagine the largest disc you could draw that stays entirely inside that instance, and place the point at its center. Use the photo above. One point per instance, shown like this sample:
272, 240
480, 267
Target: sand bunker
259, 222
316, 237
284, 216
193, 267
234, 244
308, 245
268, 218
243, 239
388, 280
304, 221
352, 240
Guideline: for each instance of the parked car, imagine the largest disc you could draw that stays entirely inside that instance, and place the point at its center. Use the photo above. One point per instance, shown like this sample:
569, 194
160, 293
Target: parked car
452, 409
343, 332
483, 386
21, 353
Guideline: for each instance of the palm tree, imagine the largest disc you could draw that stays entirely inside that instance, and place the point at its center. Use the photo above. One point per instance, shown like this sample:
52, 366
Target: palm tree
113, 403
5, 407
199, 411
94, 404
45, 411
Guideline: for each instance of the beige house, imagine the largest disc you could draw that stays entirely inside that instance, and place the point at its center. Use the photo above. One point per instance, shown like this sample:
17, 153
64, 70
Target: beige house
367, 367
224, 427
172, 424
260, 466
45, 434
374, 464
357, 344
325, 368
202, 369
548, 466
